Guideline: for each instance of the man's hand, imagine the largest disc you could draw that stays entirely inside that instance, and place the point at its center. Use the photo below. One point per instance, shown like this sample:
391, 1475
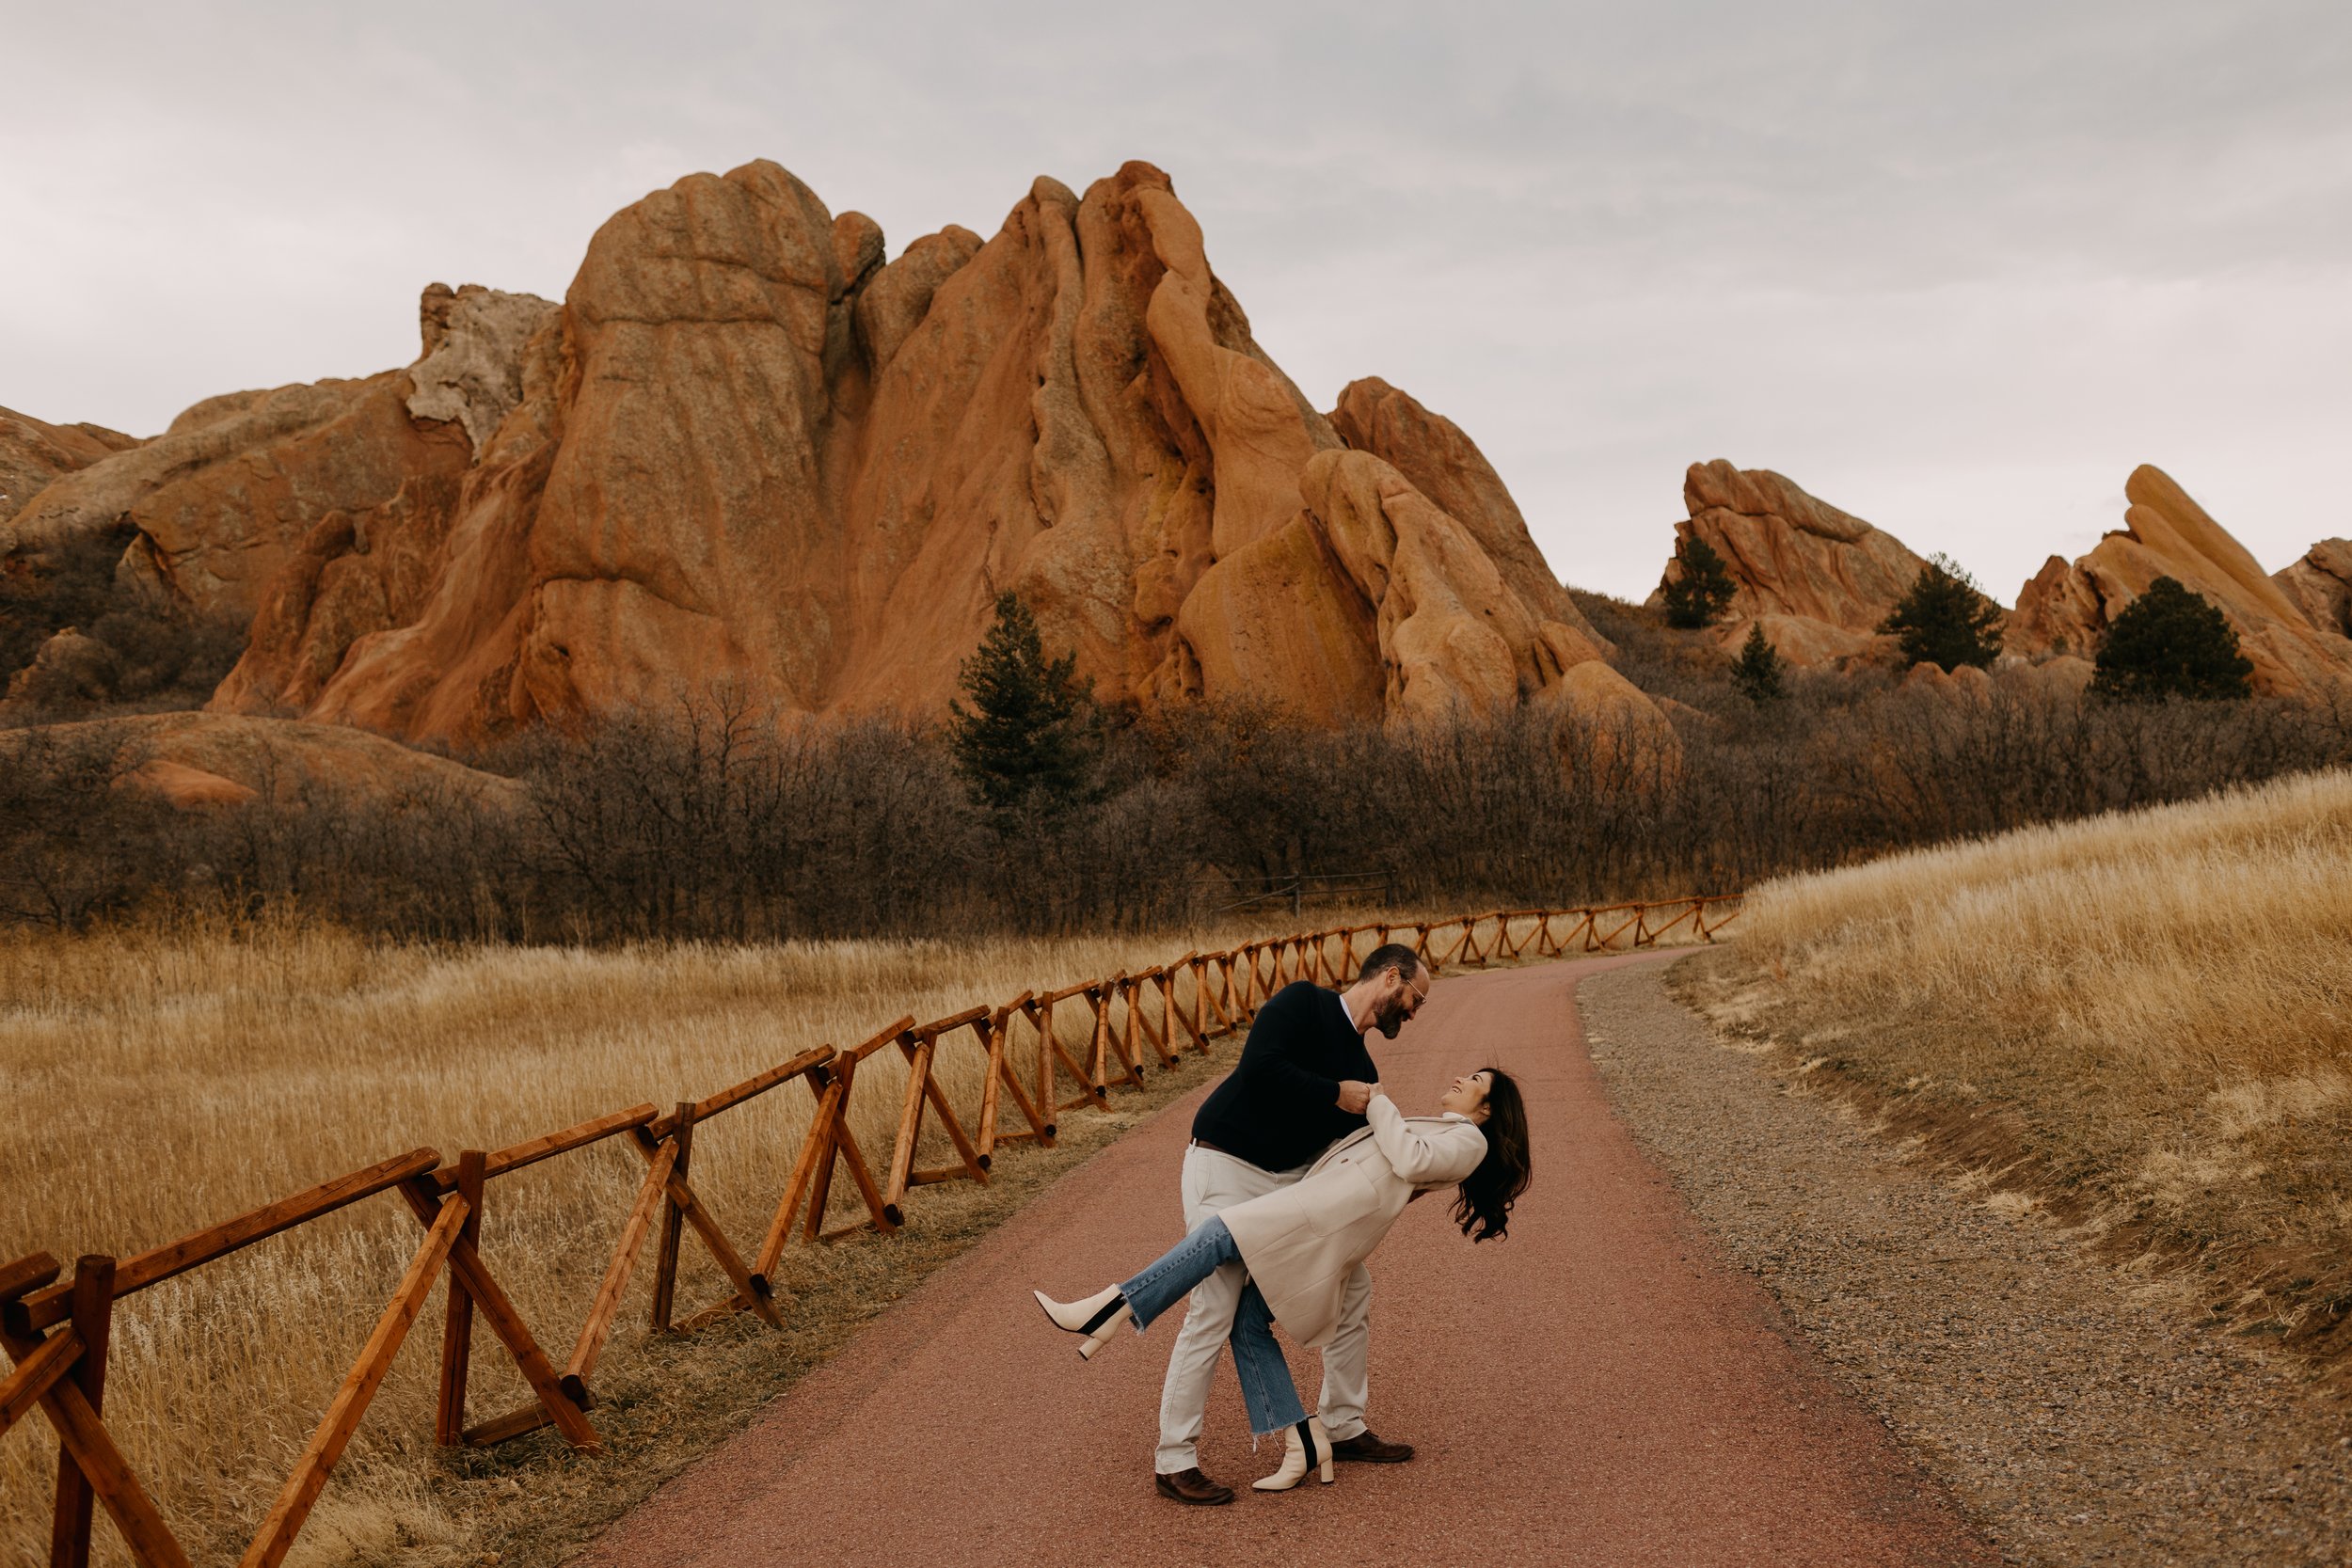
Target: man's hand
1354, 1096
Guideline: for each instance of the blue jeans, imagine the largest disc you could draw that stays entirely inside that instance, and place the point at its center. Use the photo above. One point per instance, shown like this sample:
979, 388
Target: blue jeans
1266, 1388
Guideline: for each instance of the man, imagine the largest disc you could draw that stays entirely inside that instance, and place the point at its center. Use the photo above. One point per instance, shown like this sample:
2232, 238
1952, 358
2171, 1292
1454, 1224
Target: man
1303, 1081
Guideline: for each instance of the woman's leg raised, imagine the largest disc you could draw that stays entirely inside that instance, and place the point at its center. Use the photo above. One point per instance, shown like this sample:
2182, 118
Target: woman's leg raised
1171, 1278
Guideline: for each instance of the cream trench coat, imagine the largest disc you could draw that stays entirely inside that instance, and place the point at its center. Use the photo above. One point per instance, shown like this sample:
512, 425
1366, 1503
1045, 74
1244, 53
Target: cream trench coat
1301, 1242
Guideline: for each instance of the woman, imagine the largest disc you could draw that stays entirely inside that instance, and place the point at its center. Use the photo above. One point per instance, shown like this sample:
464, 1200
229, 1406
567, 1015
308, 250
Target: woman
1301, 1242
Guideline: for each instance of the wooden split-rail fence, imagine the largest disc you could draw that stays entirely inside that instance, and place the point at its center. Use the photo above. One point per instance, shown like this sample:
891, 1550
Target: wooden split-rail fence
56, 1329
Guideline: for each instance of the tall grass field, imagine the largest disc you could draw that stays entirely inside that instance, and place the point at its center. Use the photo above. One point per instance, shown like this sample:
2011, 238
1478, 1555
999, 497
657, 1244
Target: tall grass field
158, 1079
2153, 1010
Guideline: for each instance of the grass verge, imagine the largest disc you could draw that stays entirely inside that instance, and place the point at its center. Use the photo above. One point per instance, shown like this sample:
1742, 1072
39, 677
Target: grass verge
2141, 1022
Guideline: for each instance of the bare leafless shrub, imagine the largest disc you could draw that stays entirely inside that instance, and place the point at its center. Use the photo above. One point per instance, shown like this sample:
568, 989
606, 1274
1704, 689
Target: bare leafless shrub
716, 818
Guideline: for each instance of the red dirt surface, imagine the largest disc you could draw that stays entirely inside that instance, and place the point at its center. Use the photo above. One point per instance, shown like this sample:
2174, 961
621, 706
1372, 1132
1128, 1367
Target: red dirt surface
1600, 1388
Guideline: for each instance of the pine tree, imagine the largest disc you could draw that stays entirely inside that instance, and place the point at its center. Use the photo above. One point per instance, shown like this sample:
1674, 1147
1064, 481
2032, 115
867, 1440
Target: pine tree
1757, 674
1027, 739
2171, 642
1945, 618
1701, 590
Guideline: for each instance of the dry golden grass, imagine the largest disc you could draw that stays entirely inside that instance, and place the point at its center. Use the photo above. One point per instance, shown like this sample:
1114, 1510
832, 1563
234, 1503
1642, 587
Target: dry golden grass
158, 1079
2157, 1008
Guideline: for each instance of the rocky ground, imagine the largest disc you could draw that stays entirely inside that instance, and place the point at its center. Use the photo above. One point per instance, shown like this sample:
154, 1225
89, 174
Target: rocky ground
2079, 1411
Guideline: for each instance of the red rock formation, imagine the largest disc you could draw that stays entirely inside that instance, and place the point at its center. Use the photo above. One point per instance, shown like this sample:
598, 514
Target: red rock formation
2067, 609
33, 453
1436, 458
747, 450
226, 497
2320, 584
1821, 580
1617, 736
68, 666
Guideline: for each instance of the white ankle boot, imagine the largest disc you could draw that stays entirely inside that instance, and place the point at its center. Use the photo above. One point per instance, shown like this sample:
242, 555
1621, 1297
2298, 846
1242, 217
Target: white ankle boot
1299, 1456
1098, 1317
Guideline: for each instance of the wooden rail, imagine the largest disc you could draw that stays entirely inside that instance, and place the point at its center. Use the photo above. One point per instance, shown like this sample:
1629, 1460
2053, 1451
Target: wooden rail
55, 1330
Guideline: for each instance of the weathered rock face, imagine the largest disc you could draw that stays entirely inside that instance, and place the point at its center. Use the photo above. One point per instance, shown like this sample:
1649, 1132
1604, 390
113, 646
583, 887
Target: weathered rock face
1821, 580
33, 453
2320, 585
212, 509
1446, 634
471, 368
2067, 609
1436, 458
747, 450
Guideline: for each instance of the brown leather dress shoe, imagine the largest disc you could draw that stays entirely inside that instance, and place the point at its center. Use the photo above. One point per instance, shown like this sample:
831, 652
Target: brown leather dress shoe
1366, 1449
1191, 1486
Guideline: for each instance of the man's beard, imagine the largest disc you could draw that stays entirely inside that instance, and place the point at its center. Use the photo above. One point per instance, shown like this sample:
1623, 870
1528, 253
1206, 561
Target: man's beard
1390, 1019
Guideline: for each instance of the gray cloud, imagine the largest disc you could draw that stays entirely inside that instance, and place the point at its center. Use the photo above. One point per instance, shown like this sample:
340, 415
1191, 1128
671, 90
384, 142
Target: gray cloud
1957, 269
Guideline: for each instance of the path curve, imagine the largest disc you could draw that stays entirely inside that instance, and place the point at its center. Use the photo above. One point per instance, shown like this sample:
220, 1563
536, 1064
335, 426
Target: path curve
1601, 1389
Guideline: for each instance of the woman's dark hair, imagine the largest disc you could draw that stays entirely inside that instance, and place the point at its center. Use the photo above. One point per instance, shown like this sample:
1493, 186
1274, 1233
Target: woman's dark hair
1482, 1205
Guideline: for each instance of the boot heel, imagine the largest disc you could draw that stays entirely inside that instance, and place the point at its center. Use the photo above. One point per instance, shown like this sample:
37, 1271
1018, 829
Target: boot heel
1098, 1317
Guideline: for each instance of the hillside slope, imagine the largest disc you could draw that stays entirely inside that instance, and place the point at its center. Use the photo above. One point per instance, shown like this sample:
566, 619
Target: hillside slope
2142, 1019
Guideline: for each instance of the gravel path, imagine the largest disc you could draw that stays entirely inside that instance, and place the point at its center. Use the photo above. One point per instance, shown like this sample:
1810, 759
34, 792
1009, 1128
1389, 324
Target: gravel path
1599, 1390
2078, 1413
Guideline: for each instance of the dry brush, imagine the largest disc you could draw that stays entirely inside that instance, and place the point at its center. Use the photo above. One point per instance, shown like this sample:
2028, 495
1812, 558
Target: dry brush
2143, 1020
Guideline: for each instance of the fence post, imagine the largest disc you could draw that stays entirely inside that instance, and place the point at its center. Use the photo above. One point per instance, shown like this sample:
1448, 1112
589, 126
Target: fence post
1048, 1099
449, 1418
673, 1221
93, 1320
992, 1030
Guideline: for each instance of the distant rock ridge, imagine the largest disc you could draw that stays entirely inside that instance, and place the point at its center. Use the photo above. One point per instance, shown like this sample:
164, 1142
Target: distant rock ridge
2067, 608
33, 453
750, 448
214, 506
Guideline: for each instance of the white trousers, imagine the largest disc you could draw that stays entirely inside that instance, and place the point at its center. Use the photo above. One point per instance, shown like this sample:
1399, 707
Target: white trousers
1214, 1181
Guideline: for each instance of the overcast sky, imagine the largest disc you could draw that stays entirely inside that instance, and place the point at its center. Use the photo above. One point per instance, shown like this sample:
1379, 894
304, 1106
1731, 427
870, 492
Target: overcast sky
1955, 268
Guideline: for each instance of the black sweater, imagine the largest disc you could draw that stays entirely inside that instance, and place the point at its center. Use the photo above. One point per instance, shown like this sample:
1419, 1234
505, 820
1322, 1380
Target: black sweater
1278, 1108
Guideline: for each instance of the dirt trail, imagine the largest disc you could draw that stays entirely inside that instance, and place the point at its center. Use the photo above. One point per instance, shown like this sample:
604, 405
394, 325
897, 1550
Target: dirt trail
1601, 1389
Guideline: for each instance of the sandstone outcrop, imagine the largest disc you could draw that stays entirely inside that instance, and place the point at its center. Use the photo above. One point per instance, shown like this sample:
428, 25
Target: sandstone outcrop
211, 508
1819, 579
68, 666
2320, 585
1448, 635
2066, 608
208, 511
2066, 675
750, 449
34, 452
1440, 461
207, 759
197, 760
1615, 734
470, 370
